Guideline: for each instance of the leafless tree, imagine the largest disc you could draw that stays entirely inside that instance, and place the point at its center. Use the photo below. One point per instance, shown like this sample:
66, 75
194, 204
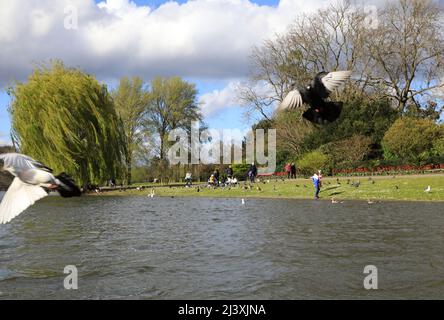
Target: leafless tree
407, 50
400, 55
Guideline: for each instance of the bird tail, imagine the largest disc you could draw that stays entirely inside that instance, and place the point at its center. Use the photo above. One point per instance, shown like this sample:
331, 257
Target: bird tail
67, 187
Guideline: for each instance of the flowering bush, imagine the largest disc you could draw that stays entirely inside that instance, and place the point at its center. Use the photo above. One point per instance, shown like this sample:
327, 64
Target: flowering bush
389, 170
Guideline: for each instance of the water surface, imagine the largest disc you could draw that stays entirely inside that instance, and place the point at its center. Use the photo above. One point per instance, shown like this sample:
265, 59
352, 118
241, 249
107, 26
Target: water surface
187, 248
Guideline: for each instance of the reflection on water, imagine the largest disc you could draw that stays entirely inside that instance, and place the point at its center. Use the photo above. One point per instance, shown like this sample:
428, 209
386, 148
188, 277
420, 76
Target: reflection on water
164, 248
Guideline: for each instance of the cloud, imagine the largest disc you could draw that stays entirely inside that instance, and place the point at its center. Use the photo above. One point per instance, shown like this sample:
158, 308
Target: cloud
219, 100
200, 38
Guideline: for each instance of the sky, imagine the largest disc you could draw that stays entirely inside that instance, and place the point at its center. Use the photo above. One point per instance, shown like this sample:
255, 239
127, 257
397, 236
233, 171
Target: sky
206, 42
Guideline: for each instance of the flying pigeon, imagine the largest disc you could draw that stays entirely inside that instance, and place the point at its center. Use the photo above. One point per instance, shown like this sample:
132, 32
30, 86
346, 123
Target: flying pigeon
320, 111
32, 181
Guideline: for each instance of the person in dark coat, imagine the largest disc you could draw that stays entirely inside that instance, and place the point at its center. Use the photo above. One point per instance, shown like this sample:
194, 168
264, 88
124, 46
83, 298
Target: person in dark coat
229, 172
252, 173
293, 171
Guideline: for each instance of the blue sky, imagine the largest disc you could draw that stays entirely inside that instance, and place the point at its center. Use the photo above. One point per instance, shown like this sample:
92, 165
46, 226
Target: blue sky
213, 67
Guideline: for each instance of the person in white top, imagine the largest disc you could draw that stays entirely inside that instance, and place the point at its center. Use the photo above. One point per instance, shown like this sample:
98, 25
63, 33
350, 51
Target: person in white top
188, 179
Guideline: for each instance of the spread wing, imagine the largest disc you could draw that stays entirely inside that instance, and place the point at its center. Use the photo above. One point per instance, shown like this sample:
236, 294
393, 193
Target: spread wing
18, 198
292, 100
21, 162
324, 83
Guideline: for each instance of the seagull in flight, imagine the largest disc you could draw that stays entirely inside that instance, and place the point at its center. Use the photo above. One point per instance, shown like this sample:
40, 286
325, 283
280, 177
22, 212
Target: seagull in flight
323, 84
32, 182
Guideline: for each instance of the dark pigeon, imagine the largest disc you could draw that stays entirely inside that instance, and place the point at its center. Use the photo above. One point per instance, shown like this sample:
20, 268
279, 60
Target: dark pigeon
314, 95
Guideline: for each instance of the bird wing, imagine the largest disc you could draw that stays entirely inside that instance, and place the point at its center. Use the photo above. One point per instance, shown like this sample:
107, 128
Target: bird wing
20, 162
292, 100
332, 80
18, 198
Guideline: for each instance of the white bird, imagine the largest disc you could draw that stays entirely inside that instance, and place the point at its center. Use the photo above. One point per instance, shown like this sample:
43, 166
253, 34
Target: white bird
31, 182
243, 201
152, 193
428, 189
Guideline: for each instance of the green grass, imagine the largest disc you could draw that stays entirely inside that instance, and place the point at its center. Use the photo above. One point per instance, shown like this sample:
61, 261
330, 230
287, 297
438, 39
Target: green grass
383, 188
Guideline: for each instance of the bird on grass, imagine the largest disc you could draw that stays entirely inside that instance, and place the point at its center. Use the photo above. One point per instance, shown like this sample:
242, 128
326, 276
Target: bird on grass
32, 181
428, 189
323, 84
334, 201
369, 201
356, 184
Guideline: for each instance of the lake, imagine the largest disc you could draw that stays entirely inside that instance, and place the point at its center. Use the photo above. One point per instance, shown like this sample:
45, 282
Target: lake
201, 248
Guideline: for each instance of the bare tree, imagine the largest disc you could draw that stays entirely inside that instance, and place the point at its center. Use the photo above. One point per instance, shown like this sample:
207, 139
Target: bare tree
330, 39
407, 49
291, 130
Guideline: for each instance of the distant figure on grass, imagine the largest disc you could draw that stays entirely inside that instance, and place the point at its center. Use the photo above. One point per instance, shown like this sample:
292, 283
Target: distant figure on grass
188, 179
320, 178
216, 176
229, 172
252, 172
316, 184
212, 182
231, 182
287, 169
292, 171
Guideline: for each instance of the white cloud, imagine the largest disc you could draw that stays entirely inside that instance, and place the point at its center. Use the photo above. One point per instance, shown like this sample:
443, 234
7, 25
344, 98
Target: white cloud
219, 100
200, 38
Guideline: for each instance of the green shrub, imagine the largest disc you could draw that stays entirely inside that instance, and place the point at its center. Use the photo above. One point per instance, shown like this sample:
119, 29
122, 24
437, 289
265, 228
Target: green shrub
310, 162
240, 170
413, 140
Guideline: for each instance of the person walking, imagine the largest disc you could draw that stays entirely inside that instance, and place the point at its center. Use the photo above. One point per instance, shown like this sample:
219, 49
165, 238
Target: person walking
316, 184
229, 172
216, 176
287, 169
293, 171
252, 172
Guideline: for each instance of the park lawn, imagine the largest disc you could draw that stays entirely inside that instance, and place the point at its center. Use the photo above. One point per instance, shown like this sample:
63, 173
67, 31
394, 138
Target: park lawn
383, 188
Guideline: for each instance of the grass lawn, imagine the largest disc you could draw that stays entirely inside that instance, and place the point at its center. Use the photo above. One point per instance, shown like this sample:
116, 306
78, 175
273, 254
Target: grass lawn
376, 188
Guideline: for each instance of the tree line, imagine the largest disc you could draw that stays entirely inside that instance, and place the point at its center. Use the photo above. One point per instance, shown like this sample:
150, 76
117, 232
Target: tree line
67, 119
391, 110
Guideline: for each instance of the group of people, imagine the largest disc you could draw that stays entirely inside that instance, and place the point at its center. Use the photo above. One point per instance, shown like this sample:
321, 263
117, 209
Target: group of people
216, 179
228, 178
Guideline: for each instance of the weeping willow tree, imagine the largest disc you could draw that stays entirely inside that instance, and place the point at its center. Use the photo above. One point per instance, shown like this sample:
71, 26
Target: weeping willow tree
66, 119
